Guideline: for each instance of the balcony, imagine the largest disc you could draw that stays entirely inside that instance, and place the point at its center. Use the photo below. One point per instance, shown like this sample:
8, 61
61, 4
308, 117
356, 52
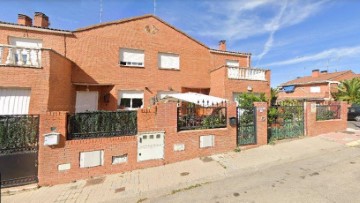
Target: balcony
20, 56
238, 73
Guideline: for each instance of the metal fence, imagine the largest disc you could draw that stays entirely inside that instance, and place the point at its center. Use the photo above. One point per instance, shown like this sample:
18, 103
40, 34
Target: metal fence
328, 112
246, 132
18, 133
285, 122
192, 117
101, 124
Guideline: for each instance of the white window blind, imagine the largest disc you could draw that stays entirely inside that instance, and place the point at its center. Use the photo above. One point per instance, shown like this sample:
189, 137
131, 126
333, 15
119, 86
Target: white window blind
169, 61
232, 63
315, 89
28, 43
132, 57
14, 101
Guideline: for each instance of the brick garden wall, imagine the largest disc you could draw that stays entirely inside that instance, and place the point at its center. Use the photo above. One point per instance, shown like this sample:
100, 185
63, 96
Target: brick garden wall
314, 127
163, 117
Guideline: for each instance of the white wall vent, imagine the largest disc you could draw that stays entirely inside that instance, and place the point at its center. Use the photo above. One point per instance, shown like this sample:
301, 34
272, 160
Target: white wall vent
207, 141
91, 159
119, 159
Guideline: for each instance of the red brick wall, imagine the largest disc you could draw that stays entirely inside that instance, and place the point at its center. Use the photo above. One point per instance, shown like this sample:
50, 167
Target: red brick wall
303, 91
314, 127
36, 79
219, 59
100, 62
161, 118
61, 90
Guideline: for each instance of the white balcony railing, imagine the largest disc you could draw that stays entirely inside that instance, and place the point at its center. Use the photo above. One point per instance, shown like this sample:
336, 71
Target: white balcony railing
246, 73
20, 56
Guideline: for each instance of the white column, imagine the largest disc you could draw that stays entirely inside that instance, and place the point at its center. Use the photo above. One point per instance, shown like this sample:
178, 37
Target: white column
10, 57
36, 58
20, 61
28, 59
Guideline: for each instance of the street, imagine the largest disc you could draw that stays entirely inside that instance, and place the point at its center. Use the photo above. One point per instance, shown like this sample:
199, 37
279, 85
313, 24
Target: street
328, 176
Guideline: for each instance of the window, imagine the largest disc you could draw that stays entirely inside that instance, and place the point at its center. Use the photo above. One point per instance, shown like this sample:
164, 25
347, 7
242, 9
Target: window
169, 61
315, 89
232, 63
131, 100
35, 58
132, 57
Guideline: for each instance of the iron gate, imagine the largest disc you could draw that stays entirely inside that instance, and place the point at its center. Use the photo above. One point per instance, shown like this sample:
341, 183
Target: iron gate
285, 122
18, 149
246, 129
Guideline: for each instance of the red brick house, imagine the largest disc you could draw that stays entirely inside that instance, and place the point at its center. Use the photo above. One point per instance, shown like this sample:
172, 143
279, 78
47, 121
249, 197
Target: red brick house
317, 87
124, 64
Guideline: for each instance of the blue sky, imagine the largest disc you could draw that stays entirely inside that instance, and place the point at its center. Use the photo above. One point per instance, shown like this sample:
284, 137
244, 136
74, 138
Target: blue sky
289, 37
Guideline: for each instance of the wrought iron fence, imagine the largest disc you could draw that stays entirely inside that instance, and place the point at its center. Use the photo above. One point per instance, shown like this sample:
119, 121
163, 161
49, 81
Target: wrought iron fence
192, 117
285, 122
101, 124
328, 112
246, 132
18, 133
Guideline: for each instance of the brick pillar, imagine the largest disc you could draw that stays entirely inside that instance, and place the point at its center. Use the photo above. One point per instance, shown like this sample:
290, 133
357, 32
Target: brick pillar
231, 112
47, 163
261, 122
166, 116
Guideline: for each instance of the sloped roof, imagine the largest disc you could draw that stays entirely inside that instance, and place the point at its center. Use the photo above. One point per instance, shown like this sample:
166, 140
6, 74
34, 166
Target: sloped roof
138, 18
37, 28
322, 78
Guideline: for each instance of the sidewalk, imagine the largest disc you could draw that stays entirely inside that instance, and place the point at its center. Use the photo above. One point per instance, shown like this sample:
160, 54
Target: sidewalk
139, 185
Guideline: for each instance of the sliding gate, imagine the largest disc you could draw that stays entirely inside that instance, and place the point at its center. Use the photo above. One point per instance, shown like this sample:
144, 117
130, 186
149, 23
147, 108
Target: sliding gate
18, 149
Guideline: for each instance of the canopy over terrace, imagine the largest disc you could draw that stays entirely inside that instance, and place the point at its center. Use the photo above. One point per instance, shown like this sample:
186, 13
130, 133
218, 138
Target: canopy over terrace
196, 98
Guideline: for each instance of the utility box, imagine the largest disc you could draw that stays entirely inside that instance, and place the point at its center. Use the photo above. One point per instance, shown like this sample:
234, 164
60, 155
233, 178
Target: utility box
51, 139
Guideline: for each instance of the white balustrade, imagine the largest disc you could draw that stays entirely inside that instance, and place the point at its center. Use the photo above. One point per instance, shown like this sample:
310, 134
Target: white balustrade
20, 56
246, 73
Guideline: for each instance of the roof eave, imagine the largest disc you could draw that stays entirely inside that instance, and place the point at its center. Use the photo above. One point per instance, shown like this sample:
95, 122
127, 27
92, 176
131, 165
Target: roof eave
34, 28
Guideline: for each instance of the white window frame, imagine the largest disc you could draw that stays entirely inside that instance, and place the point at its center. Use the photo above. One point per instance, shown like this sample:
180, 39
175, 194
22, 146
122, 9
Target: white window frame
134, 63
173, 65
130, 94
228, 61
315, 89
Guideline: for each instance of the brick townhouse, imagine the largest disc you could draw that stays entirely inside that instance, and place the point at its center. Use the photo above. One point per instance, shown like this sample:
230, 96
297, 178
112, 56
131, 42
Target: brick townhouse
125, 64
317, 88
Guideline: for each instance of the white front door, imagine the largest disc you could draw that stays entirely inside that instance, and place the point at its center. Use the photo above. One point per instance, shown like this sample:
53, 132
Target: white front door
86, 101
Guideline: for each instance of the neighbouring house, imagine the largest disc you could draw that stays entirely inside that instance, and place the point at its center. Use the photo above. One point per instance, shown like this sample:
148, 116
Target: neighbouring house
82, 103
316, 88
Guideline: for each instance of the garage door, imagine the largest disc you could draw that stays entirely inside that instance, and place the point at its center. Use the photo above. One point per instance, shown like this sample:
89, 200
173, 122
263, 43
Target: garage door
14, 101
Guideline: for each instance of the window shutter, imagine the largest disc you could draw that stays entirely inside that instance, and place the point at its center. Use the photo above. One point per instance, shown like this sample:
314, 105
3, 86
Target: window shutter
132, 57
170, 61
232, 63
14, 101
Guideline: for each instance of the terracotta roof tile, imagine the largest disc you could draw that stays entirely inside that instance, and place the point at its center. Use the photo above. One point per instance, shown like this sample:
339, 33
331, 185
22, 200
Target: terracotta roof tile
323, 77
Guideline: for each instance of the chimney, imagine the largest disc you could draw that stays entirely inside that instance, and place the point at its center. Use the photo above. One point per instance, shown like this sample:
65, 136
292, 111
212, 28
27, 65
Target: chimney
315, 73
324, 72
24, 20
41, 20
222, 45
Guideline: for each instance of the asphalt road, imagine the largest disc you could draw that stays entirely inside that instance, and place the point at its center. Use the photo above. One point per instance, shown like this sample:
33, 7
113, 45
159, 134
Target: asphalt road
327, 176
354, 125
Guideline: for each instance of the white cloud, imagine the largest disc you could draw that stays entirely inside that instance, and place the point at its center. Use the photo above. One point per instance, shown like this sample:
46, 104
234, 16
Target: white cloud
327, 54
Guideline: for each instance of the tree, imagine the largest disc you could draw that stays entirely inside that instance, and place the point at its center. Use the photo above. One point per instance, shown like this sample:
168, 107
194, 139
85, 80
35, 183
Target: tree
273, 95
349, 90
246, 100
